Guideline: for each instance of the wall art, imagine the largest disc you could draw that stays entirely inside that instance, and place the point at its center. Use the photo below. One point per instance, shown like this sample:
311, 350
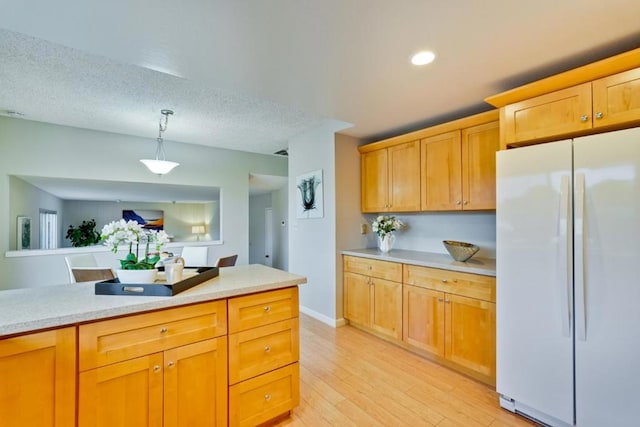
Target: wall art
309, 195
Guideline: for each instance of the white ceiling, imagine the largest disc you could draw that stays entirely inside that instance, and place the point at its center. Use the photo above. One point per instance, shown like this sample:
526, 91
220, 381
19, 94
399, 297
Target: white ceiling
250, 74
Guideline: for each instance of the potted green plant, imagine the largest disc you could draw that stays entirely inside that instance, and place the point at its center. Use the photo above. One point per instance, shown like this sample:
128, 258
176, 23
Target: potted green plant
83, 235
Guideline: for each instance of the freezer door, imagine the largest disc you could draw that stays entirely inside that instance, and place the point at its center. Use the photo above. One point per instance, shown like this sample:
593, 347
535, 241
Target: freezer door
608, 299
534, 278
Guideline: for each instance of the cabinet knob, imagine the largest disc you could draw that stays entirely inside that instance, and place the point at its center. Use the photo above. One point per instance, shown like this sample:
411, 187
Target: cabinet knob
267, 397
457, 202
447, 301
267, 349
464, 202
164, 330
599, 115
156, 368
171, 364
370, 267
267, 309
584, 118
444, 280
440, 299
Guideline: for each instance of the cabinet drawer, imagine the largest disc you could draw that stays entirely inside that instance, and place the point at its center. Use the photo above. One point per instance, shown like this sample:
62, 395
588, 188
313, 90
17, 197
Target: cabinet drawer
259, 350
465, 284
261, 309
260, 399
115, 340
372, 267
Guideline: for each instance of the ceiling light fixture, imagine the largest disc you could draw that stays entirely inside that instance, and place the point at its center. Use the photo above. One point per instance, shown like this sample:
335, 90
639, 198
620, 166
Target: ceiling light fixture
423, 58
159, 165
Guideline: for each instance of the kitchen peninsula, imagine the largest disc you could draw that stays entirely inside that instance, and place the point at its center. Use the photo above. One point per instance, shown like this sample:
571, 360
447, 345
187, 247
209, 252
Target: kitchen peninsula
192, 358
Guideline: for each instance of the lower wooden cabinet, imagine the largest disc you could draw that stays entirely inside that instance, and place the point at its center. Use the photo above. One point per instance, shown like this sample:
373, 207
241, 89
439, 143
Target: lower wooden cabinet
373, 295
260, 399
38, 379
264, 350
446, 314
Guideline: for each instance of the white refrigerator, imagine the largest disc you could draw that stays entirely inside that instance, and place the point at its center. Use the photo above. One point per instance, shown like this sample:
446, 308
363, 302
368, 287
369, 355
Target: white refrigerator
568, 280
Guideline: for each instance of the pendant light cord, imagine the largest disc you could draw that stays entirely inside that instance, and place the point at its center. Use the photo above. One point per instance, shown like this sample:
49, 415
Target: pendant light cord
162, 128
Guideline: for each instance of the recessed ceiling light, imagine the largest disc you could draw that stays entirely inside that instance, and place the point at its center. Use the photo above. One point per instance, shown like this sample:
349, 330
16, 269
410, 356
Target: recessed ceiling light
423, 58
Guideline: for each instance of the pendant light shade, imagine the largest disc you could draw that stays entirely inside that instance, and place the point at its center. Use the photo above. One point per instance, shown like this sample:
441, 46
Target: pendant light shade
159, 165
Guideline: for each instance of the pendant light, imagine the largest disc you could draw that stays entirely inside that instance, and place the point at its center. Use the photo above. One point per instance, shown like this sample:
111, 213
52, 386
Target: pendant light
159, 165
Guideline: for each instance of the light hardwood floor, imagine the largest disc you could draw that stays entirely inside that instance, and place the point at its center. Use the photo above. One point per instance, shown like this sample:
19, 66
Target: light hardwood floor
350, 378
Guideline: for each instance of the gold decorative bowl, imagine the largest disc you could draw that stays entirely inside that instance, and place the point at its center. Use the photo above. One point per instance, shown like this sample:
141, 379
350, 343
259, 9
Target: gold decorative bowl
460, 251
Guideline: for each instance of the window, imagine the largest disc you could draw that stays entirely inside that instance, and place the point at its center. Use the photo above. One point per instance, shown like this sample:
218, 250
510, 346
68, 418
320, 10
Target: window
48, 229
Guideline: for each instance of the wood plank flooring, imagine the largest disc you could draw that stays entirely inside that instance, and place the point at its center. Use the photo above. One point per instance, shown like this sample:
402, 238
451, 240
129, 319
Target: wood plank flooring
350, 378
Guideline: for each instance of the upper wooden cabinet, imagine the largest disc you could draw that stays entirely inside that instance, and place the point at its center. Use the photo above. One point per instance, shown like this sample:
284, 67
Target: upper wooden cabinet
445, 167
597, 97
390, 179
458, 169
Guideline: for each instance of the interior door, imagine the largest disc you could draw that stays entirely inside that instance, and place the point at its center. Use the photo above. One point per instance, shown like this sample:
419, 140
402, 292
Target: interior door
533, 280
607, 300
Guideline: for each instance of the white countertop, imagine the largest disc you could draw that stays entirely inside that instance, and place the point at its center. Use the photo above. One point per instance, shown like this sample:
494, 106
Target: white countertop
482, 266
23, 310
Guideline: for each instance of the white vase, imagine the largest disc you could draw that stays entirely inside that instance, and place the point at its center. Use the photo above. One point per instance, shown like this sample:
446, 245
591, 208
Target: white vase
137, 276
385, 244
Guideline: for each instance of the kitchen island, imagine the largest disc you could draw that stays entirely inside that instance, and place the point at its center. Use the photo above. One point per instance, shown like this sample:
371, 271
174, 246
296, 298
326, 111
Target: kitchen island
225, 351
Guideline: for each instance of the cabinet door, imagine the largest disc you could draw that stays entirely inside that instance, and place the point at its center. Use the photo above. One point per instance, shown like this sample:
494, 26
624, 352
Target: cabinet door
195, 384
37, 379
479, 147
374, 181
471, 334
125, 394
386, 305
558, 113
357, 307
404, 177
423, 319
441, 175
616, 99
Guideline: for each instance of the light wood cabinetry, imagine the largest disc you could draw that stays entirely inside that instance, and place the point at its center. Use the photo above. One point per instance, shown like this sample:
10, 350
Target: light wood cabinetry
597, 97
263, 356
373, 295
442, 168
452, 315
162, 368
390, 179
458, 169
38, 379
446, 315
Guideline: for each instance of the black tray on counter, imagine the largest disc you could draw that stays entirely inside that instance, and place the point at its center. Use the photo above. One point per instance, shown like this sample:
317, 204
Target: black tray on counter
161, 289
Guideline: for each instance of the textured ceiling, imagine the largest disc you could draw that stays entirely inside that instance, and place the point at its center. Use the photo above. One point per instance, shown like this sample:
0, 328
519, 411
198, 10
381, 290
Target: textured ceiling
250, 74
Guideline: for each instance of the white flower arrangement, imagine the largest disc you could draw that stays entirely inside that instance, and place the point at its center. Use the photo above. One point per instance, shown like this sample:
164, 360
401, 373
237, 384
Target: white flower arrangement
121, 232
386, 224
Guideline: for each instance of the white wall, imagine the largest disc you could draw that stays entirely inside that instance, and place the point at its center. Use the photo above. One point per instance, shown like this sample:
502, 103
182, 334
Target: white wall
426, 230
312, 242
40, 149
280, 205
257, 227
26, 200
348, 215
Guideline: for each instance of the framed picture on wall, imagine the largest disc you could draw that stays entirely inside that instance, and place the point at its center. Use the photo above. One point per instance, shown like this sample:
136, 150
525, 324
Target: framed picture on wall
309, 197
23, 233
149, 219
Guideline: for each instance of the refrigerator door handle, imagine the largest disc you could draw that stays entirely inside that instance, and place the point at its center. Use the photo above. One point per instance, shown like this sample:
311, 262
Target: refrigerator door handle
564, 264
580, 235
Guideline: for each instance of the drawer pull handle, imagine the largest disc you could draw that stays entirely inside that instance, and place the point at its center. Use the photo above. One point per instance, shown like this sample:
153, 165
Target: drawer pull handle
444, 280
267, 309
267, 397
136, 289
164, 330
156, 368
267, 349
171, 364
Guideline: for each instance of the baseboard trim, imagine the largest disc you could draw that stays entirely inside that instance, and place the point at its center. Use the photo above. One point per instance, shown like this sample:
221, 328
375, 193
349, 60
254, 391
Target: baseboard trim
321, 317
